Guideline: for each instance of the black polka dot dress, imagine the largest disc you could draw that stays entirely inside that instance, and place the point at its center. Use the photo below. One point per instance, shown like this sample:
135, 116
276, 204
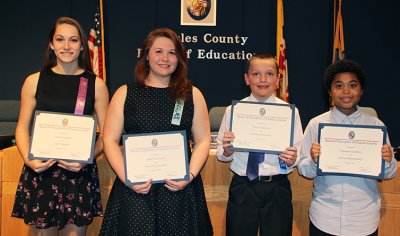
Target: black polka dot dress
160, 212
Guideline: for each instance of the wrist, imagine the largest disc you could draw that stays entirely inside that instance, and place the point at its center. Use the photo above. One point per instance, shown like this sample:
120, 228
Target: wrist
315, 160
191, 174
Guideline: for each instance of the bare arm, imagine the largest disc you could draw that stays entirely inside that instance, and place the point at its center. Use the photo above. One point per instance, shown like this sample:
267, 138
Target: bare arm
100, 107
113, 128
201, 134
22, 135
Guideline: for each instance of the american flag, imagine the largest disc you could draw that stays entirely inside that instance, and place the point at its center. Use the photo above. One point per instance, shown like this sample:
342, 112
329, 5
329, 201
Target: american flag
283, 90
96, 46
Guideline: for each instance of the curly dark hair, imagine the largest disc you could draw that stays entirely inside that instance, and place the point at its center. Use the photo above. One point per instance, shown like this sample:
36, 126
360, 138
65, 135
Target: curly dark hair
342, 66
179, 83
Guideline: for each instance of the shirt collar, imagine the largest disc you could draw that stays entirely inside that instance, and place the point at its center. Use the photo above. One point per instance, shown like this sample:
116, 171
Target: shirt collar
340, 117
270, 99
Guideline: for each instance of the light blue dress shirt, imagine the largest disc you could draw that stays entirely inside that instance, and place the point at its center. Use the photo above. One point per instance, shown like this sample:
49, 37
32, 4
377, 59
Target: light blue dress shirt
342, 205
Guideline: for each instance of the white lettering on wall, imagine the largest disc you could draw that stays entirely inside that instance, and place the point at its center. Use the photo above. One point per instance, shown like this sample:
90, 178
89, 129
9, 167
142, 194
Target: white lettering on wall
209, 38
212, 54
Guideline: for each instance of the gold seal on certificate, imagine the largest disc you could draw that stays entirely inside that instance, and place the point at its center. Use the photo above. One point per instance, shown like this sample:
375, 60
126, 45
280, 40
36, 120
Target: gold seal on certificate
61, 136
353, 150
262, 127
155, 156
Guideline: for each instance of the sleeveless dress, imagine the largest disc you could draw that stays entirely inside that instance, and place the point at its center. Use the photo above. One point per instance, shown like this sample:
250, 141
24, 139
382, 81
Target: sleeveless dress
57, 197
161, 211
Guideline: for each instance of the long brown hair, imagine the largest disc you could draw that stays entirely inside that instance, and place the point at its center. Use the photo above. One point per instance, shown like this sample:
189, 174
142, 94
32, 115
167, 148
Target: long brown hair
50, 59
179, 83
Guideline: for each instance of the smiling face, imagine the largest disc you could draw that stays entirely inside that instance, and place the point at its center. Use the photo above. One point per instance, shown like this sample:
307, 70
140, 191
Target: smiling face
346, 92
262, 77
162, 59
66, 44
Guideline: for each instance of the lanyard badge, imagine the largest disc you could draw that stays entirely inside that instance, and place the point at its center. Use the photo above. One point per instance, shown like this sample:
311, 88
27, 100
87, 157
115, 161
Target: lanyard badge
177, 115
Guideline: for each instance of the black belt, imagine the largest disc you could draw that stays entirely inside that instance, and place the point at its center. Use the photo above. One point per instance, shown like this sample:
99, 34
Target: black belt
268, 178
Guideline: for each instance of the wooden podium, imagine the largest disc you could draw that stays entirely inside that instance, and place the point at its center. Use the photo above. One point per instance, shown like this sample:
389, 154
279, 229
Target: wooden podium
216, 178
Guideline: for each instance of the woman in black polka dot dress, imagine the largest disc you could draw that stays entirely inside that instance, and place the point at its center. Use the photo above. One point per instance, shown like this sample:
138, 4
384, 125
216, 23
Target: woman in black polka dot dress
145, 106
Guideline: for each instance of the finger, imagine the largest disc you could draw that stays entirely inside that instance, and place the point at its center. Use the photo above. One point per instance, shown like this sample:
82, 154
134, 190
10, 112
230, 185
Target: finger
172, 182
289, 154
41, 168
291, 149
144, 190
171, 185
147, 189
143, 187
74, 169
52, 162
226, 141
64, 163
61, 165
226, 145
285, 159
148, 183
48, 162
173, 188
64, 166
77, 166
138, 188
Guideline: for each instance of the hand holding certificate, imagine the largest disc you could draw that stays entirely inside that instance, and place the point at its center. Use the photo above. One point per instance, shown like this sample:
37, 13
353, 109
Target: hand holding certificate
353, 150
61, 136
155, 156
262, 127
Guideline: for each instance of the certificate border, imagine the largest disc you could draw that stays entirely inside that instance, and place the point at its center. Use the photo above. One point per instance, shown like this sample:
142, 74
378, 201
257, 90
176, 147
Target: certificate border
379, 176
89, 160
277, 152
182, 132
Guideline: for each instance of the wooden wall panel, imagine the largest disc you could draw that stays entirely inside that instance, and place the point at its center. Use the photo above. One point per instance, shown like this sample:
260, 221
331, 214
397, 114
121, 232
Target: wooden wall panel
11, 169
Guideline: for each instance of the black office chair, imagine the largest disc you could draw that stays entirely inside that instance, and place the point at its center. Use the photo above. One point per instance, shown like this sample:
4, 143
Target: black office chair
216, 114
369, 110
9, 112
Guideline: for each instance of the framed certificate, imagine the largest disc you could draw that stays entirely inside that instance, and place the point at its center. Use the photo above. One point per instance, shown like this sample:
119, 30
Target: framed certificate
61, 136
262, 127
353, 150
155, 156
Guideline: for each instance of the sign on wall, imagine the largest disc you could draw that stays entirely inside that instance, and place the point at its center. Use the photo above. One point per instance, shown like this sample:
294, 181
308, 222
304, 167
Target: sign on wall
199, 12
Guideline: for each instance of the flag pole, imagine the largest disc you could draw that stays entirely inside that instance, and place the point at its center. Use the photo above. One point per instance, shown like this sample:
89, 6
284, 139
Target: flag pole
283, 88
102, 40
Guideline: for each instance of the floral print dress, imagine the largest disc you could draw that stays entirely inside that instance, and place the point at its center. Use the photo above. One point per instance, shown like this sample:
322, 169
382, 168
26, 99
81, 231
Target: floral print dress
57, 197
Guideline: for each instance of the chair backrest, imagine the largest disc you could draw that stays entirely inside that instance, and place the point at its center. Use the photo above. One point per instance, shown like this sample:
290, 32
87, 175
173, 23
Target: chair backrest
9, 112
369, 110
216, 114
